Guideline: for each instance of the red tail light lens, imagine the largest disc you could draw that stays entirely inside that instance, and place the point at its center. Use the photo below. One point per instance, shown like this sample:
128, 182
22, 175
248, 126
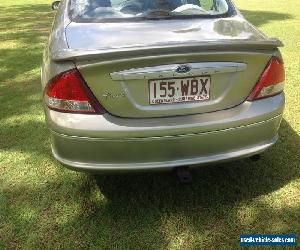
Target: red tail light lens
67, 92
271, 81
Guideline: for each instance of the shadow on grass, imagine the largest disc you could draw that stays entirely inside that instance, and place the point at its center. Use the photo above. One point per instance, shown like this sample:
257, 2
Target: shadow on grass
259, 17
24, 31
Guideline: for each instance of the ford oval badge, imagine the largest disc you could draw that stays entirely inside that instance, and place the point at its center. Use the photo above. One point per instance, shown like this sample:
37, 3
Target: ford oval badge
183, 69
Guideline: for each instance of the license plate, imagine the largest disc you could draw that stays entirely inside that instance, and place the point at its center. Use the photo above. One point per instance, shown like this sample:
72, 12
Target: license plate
179, 90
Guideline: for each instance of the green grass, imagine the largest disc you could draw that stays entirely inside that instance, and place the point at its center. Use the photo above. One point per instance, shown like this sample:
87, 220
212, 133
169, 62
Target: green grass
43, 205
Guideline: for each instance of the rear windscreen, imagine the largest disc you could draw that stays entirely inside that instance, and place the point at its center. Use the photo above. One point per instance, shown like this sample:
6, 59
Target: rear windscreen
117, 10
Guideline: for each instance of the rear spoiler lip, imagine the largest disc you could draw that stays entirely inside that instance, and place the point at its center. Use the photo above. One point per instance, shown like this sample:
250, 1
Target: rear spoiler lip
123, 52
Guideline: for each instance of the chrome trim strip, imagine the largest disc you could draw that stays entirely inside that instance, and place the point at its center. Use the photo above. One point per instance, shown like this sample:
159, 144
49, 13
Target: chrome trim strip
169, 71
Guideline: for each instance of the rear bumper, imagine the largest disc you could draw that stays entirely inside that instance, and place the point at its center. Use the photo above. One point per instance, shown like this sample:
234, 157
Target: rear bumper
92, 154
107, 143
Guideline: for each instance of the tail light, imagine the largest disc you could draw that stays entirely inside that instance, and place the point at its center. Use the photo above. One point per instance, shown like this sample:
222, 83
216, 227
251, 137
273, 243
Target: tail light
68, 92
271, 81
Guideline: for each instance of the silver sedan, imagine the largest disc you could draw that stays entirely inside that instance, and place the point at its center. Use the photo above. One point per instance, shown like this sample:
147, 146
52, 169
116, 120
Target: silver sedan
132, 85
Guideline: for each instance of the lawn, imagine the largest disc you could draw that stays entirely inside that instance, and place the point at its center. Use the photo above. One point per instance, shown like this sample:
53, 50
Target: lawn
43, 205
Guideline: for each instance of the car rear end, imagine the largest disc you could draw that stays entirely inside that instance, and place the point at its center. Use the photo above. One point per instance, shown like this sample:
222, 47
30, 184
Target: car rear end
160, 93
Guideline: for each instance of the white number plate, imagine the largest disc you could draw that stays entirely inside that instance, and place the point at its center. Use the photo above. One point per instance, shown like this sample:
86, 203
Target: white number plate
179, 90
